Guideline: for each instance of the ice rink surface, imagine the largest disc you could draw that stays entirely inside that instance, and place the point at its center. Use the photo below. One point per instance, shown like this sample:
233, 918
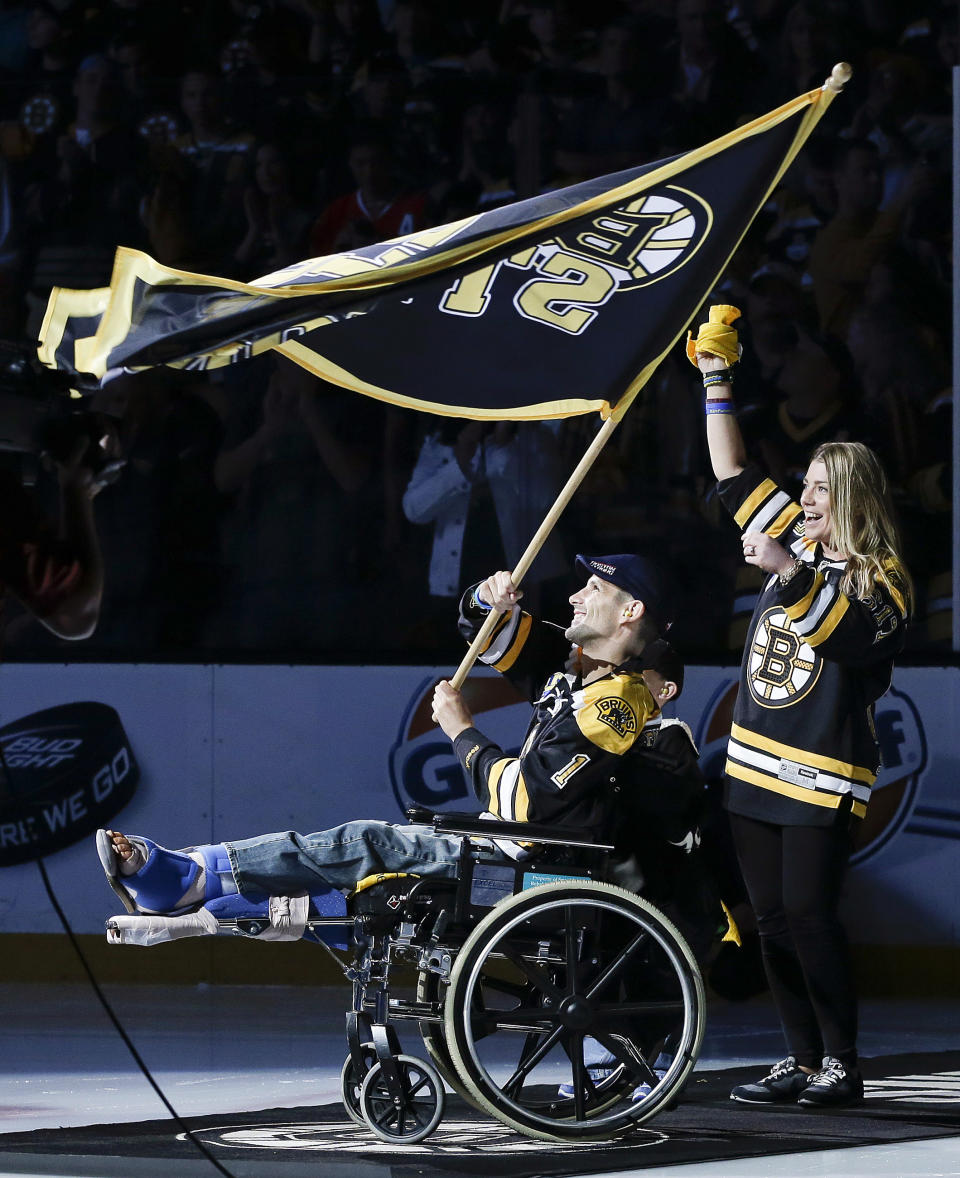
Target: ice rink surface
230, 1049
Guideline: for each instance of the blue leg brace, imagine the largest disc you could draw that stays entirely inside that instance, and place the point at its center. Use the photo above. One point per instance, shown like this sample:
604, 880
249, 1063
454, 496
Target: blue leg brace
168, 876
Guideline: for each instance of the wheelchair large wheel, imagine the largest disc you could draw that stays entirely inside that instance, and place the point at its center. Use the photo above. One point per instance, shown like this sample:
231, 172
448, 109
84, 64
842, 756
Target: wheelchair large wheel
431, 989
551, 967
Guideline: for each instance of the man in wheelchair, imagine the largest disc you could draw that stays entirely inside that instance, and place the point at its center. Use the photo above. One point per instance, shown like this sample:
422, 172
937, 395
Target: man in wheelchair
580, 778
584, 725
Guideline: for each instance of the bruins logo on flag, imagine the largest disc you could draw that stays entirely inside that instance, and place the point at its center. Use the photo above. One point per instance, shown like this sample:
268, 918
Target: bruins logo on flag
617, 714
428, 320
562, 282
646, 239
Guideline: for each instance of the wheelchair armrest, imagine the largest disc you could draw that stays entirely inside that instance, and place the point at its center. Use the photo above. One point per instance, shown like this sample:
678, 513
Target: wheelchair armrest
472, 824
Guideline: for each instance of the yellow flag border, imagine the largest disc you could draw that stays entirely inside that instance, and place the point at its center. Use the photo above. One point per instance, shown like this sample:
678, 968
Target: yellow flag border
334, 374
115, 303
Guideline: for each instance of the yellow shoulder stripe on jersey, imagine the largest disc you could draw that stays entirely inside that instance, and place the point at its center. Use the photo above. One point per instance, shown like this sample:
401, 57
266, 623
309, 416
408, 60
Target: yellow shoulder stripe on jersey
891, 566
831, 621
753, 501
512, 652
783, 521
801, 756
799, 608
614, 710
493, 785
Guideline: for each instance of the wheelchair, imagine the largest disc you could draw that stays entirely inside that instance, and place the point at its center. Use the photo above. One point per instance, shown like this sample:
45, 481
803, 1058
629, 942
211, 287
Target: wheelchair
516, 963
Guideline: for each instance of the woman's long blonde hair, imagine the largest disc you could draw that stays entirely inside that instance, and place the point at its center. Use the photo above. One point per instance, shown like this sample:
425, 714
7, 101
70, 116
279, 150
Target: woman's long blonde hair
863, 526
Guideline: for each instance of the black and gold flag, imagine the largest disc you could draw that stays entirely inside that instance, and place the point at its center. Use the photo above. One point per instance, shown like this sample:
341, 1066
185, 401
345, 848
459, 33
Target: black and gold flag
553, 306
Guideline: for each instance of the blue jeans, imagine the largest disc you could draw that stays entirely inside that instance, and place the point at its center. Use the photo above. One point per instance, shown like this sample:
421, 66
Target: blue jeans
288, 863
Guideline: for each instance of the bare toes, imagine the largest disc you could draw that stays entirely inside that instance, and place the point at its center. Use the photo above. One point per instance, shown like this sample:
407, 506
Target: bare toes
120, 844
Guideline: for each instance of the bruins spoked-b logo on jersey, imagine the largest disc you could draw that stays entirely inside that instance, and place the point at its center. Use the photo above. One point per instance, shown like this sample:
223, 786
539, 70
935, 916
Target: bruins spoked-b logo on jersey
782, 667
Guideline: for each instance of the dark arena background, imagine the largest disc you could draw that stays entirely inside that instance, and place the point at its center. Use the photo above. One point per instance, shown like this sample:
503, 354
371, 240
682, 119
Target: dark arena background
230, 586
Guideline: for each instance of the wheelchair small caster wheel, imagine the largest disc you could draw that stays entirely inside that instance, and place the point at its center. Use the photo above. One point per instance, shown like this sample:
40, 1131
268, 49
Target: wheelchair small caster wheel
351, 1082
418, 1110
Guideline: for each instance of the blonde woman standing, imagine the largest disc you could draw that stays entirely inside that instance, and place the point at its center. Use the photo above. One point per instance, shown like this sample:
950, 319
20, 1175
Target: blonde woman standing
803, 751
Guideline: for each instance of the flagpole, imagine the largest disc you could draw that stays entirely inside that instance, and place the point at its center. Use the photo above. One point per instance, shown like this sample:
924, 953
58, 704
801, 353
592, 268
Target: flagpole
839, 76
539, 538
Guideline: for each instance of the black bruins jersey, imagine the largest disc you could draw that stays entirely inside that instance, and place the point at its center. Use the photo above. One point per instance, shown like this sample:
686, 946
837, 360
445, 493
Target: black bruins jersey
815, 662
578, 737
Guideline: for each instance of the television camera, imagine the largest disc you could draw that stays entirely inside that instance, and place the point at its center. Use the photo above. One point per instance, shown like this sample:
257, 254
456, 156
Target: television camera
44, 417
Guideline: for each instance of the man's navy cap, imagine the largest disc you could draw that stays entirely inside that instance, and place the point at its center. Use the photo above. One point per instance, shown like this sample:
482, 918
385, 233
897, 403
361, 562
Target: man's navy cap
639, 576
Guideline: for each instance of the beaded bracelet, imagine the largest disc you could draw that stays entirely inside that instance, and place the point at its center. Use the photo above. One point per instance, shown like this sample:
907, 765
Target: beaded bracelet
785, 578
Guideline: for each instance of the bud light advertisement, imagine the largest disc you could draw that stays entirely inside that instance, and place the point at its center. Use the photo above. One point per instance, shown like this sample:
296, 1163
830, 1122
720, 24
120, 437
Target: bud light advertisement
64, 772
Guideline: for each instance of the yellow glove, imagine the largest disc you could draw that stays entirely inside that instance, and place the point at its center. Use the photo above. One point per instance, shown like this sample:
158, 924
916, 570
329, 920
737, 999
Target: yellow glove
716, 336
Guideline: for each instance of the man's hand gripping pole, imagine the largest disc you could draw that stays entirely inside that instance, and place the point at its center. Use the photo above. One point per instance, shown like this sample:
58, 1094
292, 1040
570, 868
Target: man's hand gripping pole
539, 539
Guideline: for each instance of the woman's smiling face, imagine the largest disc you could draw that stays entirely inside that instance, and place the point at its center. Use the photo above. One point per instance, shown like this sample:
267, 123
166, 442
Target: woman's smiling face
815, 501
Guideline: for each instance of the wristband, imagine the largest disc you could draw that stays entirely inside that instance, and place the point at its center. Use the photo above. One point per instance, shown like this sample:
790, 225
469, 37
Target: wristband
716, 405
718, 376
479, 603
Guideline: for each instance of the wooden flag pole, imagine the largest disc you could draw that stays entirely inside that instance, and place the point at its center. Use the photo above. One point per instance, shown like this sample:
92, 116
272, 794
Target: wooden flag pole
525, 561
839, 76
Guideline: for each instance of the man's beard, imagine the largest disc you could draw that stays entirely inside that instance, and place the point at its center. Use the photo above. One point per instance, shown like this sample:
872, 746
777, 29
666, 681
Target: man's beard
579, 632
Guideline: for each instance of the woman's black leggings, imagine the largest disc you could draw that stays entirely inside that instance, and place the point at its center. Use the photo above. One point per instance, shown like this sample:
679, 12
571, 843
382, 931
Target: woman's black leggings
793, 876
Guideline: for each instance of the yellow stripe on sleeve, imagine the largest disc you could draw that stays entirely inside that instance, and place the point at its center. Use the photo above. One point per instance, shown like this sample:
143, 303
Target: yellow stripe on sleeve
749, 506
504, 619
493, 785
512, 652
784, 520
521, 800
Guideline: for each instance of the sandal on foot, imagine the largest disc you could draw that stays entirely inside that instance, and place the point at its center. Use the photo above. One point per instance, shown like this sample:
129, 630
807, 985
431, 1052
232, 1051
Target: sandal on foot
158, 885
110, 862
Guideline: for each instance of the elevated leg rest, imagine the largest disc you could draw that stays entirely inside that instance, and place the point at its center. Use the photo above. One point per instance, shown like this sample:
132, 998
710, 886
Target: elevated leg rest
266, 918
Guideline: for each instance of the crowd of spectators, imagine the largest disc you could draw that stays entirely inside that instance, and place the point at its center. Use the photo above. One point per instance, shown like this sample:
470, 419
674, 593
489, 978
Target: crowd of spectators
265, 515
